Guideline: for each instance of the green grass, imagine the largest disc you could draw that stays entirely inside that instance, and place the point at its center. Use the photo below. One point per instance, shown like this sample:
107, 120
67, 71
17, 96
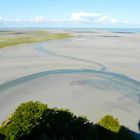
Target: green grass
13, 39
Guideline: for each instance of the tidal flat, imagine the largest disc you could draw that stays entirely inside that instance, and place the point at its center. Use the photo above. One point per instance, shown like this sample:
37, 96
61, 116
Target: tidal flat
92, 73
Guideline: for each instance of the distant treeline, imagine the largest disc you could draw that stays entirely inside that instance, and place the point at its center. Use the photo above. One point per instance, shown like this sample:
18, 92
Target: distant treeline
36, 121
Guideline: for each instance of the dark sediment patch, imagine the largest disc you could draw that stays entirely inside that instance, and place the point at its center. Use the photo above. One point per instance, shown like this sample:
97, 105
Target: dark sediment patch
4, 31
108, 36
18, 33
124, 32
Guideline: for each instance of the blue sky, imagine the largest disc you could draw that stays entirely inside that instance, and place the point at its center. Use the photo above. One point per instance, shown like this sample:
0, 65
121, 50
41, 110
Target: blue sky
70, 13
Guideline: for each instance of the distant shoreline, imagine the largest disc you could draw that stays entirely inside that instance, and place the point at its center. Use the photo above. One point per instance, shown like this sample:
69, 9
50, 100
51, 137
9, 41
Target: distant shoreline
114, 30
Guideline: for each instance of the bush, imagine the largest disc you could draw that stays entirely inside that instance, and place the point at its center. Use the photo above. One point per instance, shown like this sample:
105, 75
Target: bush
24, 120
64, 124
110, 123
35, 121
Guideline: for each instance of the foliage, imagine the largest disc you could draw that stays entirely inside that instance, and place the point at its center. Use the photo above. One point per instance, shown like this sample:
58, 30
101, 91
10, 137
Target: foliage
139, 125
124, 134
35, 121
24, 120
63, 123
110, 123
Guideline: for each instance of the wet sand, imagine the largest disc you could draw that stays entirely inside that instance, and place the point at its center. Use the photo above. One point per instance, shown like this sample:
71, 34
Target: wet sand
93, 74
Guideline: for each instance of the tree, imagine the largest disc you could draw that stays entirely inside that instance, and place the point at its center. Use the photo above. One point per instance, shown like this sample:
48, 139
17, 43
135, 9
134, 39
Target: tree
139, 126
35, 121
110, 123
24, 121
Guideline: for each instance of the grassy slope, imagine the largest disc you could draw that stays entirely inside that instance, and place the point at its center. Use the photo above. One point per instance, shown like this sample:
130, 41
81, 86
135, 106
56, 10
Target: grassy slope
16, 38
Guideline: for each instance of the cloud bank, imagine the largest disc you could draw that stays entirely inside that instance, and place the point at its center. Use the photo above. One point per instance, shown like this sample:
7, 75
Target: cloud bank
83, 16
76, 17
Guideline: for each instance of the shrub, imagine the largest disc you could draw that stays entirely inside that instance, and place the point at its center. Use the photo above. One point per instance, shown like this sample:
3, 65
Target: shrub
24, 120
35, 121
110, 123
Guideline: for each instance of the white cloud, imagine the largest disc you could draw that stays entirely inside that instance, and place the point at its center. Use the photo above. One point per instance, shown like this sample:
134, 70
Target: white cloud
93, 18
125, 22
114, 20
103, 19
60, 20
76, 17
83, 16
38, 19
3, 19
108, 19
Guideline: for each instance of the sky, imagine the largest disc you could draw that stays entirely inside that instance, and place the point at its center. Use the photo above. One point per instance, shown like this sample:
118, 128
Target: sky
70, 13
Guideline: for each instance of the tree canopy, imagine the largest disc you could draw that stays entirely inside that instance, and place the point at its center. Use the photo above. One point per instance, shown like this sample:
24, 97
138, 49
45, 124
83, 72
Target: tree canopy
35, 121
110, 123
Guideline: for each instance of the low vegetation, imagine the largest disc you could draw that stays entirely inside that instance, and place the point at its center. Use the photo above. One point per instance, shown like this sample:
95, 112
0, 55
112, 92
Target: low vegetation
15, 38
35, 121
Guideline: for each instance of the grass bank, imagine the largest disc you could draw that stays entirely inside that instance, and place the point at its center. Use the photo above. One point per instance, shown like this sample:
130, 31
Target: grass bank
12, 38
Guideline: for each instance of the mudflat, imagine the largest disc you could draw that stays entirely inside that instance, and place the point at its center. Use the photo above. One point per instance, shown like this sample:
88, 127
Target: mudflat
92, 73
